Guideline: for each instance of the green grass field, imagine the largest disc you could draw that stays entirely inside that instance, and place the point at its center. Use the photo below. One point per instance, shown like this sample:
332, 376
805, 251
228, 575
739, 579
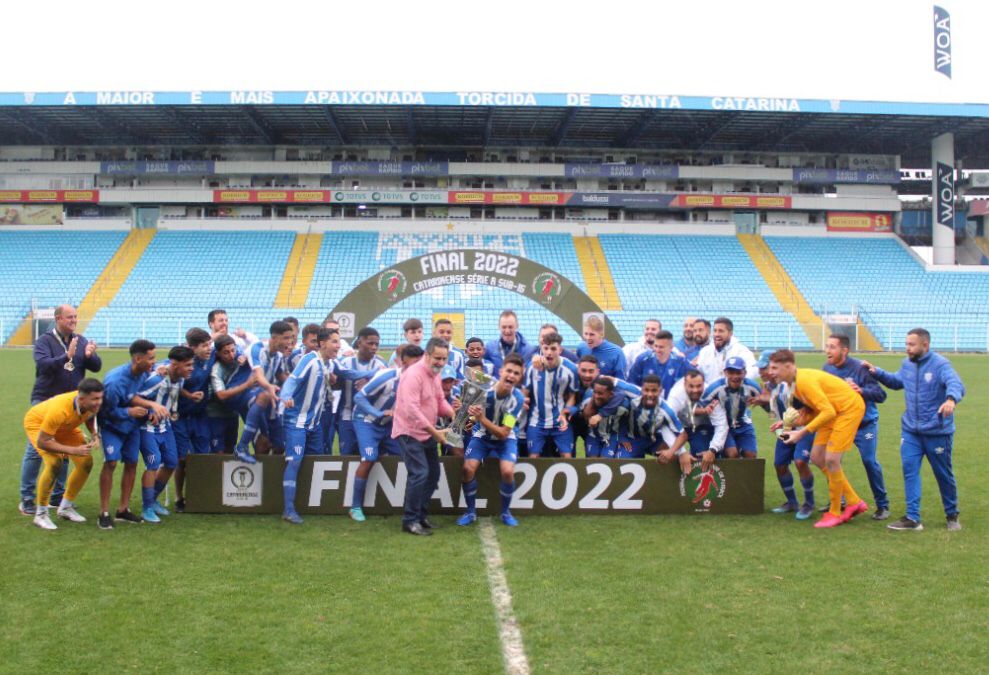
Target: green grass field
591, 594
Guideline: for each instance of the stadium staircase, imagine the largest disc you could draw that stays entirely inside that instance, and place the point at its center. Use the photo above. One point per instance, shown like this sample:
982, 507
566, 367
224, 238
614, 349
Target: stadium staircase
299, 271
983, 244
597, 274
782, 286
106, 286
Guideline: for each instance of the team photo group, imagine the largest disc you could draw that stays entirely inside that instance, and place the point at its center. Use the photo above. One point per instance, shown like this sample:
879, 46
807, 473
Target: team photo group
686, 400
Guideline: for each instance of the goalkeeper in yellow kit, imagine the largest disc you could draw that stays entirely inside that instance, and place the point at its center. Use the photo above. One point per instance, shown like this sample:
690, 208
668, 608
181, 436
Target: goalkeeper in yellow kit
833, 412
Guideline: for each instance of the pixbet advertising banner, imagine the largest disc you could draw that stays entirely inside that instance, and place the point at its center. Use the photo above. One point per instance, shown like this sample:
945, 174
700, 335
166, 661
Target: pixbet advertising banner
325, 485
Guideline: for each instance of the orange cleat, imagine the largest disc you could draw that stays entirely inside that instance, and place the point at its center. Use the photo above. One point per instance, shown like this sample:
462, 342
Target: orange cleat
853, 510
829, 520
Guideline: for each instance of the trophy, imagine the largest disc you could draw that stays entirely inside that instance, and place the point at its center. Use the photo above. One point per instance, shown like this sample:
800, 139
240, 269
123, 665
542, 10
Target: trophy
473, 392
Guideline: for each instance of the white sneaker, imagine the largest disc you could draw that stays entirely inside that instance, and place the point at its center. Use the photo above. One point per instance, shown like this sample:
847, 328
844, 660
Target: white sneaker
70, 513
42, 520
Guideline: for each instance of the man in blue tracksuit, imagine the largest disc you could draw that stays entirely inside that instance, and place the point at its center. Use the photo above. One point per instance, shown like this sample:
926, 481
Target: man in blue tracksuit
932, 388
611, 358
840, 364
509, 341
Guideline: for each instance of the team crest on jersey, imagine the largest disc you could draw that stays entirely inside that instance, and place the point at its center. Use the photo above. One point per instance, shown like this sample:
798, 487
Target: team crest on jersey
703, 488
392, 283
928, 377
547, 286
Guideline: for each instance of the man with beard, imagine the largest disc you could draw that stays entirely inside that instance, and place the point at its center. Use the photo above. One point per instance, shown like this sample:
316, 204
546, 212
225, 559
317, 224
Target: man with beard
712, 359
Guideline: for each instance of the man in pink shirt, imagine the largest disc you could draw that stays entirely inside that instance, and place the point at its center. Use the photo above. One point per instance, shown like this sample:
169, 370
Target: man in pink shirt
418, 403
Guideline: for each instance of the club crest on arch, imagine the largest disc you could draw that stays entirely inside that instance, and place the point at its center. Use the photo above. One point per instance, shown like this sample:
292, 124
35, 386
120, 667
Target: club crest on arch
547, 287
392, 283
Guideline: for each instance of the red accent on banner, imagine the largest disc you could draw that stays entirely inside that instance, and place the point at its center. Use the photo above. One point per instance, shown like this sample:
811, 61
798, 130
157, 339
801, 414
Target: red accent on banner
706, 201
271, 196
508, 198
847, 221
48, 196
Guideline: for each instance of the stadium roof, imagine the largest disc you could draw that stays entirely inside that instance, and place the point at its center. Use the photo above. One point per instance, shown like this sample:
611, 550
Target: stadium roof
685, 128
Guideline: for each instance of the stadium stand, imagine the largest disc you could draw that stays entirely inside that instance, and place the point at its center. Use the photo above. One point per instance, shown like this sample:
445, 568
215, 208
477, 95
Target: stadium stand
892, 292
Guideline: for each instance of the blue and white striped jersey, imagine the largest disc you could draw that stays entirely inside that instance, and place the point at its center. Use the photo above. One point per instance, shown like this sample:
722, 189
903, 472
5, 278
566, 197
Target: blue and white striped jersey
779, 400
502, 412
377, 397
197, 381
306, 386
353, 363
456, 360
732, 400
548, 391
289, 363
258, 356
612, 413
164, 391
643, 422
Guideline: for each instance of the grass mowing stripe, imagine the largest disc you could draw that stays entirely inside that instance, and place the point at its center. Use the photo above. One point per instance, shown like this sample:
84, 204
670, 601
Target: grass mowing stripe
512, 648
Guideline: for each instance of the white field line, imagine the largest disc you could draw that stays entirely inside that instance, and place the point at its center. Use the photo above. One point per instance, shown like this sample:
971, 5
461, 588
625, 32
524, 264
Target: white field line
512, 649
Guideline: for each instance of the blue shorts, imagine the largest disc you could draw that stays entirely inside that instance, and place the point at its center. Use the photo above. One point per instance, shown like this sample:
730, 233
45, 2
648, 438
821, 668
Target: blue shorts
699, 440
328, 427
192, 434
222, 432
594, 447
373, 439
272, 428
117, 447
348, 437
157, 448
743, 438
481, 448
301, 441
537, 439
799, 452
637, 448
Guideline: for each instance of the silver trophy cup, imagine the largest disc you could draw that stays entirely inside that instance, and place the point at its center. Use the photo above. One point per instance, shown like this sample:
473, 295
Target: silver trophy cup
473, 392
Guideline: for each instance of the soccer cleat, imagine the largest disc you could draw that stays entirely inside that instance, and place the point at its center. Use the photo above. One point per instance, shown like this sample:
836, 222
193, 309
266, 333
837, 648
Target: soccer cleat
953, 524
179, 506
509, 520
292, 517
42, 520
244, 456
805, 512
127, 516
357, 513
150, 516
467, 519
26, 507
68, 512
104, 522
851, 511
160, 510
881, 513
788, 507
907, 524
829, 520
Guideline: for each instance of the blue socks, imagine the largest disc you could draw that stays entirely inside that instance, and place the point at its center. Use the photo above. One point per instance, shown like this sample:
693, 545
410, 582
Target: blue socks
808, 485
147, 497
506, 490
786, 482
470, 495
292, 467
159, 487
359, 485
252, 423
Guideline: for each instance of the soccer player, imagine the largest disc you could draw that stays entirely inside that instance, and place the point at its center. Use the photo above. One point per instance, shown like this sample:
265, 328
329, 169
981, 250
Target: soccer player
552, 391
601, 405
510, 341
833, 414
685, 346
309, 344
191, 429
776, 397
711, 359
443, 329
611, 359
158, 446
858, 377
365, 359
661, 362
733, 392
301, 400
120, 420
706, 426
413, 332
644, 345
52, 428
494, 435
475, 350
651, 427
373, 414
932, 389
260, 417
546, 329
231, 381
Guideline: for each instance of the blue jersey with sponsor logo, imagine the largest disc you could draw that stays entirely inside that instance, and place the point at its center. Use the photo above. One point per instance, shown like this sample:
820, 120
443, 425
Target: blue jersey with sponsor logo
377, 397
259, 356
549, 390
732, 400
164, 391
501, 411
197, 381
306, 386
354, 364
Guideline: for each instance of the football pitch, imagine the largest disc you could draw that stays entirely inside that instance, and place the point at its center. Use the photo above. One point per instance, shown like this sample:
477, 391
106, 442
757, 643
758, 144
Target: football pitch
639, 594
